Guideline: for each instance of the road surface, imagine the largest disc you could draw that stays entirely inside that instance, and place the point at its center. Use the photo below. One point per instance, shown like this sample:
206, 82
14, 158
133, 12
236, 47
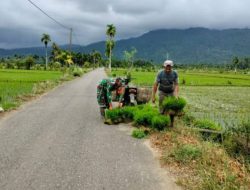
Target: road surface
60, 142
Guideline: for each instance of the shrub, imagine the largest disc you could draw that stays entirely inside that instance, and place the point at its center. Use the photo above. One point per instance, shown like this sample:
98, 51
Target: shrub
183, 81
138, 133
186, 153
77, 72
173, 103
55, 65
207, 124
29, 62
245, 130
240, 136
160, 122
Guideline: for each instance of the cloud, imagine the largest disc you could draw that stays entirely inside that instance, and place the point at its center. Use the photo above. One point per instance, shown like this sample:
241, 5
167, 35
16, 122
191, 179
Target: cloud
89, 18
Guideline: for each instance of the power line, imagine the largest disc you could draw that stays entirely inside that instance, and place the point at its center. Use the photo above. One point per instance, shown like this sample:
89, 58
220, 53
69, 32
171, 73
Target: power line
49, 15
68, 28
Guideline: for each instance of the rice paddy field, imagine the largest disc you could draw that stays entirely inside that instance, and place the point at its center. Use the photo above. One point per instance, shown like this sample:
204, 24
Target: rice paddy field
221, 97
16, 83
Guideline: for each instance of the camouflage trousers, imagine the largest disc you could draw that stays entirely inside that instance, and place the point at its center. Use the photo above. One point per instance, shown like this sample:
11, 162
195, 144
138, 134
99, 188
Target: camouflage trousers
101, 96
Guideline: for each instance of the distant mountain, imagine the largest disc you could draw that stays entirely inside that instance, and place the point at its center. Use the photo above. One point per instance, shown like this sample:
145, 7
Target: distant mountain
183, 46
34, 50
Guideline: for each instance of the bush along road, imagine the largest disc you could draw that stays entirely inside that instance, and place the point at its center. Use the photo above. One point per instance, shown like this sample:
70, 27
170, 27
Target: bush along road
60, 142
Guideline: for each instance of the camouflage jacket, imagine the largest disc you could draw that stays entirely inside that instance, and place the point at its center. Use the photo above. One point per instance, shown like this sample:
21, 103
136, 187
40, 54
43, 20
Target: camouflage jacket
104, 91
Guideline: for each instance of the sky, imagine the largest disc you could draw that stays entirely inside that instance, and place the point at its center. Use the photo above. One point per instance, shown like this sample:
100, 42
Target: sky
22, 24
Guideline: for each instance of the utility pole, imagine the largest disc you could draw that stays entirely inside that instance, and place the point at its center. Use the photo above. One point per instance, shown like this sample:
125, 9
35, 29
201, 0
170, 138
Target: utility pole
70, 40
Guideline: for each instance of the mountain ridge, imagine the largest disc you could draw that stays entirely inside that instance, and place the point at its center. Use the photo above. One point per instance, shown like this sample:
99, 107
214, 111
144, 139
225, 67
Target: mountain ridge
192, 45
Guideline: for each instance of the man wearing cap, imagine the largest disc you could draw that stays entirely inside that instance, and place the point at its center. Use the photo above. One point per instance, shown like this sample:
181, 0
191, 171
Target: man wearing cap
167, 81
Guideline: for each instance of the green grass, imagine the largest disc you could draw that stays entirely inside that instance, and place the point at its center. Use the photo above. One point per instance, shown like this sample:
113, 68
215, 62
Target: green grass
207, 124
186, 153
192, 78
16, 83
138, 133
28, 76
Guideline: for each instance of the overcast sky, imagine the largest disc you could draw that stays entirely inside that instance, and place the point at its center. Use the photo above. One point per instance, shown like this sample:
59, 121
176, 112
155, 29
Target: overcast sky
21, 24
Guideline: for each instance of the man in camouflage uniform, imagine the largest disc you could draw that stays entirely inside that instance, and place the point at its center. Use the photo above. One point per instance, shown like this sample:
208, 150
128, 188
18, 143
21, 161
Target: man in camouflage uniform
104, 92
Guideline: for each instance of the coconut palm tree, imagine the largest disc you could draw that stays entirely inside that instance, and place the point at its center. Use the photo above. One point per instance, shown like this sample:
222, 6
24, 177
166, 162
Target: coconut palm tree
235, 63
110, 43
46, 39
55, 51
96, 56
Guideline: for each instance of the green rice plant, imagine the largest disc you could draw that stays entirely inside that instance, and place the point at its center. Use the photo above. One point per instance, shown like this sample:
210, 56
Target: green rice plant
174, 104
186, 153
138, 133
160, 122
115, 115
128, 112
119, 115
144, 118
145, 115
207, 124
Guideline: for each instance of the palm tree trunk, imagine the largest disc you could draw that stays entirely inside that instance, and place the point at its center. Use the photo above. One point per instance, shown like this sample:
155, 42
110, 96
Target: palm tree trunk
110, 52
46, 58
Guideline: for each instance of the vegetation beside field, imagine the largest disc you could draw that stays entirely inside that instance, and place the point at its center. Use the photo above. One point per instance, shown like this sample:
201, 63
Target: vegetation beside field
17, 86
198, 163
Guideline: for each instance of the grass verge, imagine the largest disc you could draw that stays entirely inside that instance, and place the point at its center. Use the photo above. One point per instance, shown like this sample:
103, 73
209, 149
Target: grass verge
200, 164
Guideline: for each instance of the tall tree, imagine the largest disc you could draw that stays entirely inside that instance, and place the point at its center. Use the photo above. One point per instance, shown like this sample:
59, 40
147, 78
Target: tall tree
110, 43
129, 57
235, 62
46, 39
96, 55
29, 62
55, 51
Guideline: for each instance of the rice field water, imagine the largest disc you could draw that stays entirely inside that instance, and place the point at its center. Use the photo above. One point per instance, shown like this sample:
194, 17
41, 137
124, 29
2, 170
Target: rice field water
221, 97
15, 83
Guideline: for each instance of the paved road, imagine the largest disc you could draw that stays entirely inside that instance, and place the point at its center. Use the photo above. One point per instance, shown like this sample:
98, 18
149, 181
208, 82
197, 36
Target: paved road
60, 142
